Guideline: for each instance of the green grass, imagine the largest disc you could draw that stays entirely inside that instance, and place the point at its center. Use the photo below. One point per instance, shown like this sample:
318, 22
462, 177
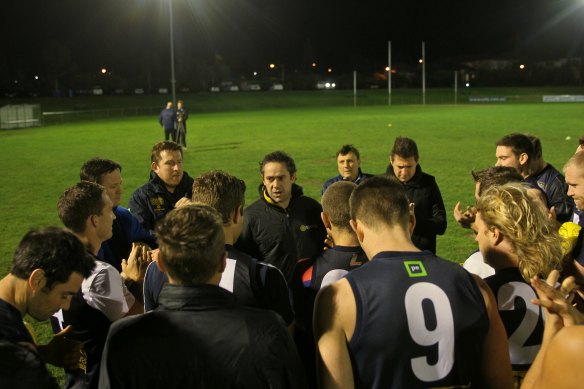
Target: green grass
39, 163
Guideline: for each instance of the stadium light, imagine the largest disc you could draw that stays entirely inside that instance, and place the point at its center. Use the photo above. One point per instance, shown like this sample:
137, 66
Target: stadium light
103, 70
522, 66
272, 66
172, 77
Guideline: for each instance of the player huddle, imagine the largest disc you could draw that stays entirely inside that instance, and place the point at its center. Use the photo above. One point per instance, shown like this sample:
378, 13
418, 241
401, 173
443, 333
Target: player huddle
191, 288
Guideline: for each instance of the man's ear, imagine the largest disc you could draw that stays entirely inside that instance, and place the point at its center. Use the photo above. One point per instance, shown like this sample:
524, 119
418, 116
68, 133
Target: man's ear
496, 236
356, 226
160, 263
37, 279
523, 158
223, 263
412, 223
325, 220
154, 166
237, 215
293, 177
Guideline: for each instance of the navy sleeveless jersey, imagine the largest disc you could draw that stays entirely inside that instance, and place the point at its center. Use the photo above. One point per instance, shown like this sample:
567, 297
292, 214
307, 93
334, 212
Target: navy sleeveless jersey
523, 320
421, 322
332, 265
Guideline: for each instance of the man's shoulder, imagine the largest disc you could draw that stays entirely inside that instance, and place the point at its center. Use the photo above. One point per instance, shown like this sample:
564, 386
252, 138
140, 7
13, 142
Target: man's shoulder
257, 207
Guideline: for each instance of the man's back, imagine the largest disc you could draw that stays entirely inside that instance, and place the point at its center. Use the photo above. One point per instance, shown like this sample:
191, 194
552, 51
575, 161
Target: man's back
421, 321
199, 337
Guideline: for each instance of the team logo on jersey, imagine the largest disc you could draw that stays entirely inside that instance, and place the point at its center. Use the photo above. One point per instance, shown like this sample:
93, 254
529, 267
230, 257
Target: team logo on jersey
415, 268
157, 204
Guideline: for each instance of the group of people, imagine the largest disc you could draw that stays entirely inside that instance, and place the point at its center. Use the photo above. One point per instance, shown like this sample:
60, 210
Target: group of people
188, 287
174, 123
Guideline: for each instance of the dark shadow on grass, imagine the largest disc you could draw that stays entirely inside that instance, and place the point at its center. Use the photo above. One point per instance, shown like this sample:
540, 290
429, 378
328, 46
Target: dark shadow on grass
221, 146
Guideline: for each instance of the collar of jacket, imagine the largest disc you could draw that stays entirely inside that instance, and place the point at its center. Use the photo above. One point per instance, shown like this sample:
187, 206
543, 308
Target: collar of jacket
161, 187
197, 297
415, 181
296, 192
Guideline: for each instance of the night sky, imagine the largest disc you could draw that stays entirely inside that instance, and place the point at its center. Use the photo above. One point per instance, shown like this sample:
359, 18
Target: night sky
248, 34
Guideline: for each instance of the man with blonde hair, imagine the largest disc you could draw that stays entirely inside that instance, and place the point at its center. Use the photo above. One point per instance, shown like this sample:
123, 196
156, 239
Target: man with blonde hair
517, 240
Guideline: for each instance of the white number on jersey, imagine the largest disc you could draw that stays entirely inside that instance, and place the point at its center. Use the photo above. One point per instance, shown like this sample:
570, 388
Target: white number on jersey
518, 352
442, 336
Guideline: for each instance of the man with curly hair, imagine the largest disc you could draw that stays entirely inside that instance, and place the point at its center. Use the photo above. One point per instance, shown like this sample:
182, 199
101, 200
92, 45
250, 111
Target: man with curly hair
517, 240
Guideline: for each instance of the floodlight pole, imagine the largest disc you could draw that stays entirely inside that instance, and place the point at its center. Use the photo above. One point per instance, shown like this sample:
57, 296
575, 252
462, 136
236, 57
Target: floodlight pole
172, 76
424, 73
389, 73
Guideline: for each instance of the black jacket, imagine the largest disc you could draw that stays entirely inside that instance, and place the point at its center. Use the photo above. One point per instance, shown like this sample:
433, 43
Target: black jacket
200, 338
152, 201
423, 191
554, 186
281, 236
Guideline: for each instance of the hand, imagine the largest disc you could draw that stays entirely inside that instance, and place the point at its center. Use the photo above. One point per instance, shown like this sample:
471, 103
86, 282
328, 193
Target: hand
182, 202
557, 301
135, 266
466, 218
329, 243
62, 352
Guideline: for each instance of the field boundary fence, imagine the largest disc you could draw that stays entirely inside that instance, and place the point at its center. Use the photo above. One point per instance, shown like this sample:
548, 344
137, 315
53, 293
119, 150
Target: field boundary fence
60, 117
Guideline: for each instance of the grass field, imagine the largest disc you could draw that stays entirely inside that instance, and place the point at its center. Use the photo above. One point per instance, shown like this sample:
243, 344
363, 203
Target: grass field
39, 163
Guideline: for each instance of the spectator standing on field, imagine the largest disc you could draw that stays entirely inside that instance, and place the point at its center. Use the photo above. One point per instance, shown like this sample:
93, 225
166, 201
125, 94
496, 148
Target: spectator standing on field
168, 122
422, 190
181, 124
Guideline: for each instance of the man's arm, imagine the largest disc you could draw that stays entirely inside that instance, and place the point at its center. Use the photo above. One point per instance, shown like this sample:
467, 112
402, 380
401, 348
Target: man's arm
560, 315
140, 208
334, 323
561, 365
435, 224
496, 365
274, 292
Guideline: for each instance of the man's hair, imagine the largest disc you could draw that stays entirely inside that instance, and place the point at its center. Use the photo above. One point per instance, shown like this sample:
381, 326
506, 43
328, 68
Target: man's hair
220, 190
165, 145
58, 252
519, 144
346, 149
534, 240
581, 140
335, 203
576, 160
279, 157
405, 148
94, 169
536, 143
192, 243
495, 175
78, 203
380, 200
